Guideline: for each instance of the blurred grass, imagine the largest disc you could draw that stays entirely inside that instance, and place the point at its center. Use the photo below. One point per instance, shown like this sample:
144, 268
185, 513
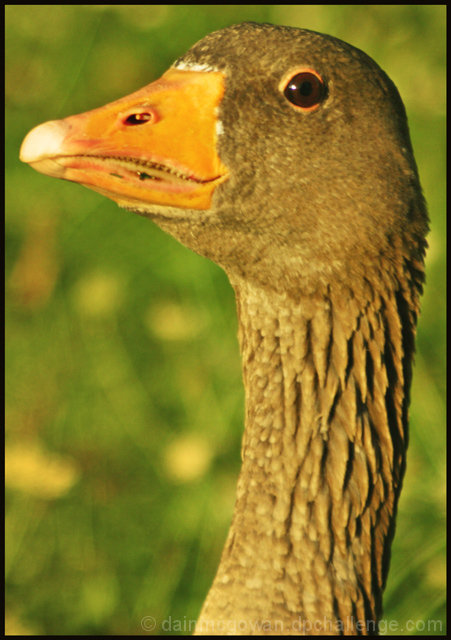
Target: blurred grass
124, 400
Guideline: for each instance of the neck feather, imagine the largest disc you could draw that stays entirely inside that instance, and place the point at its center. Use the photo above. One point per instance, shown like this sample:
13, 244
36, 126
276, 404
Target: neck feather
326, 381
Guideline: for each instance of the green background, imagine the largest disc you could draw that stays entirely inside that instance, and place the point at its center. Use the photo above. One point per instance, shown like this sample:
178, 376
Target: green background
124, 396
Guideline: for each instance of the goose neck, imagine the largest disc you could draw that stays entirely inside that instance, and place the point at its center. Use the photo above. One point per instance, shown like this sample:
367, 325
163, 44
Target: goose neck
323, 458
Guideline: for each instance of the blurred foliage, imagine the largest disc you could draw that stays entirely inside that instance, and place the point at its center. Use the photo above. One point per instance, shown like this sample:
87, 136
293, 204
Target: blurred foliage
124, 400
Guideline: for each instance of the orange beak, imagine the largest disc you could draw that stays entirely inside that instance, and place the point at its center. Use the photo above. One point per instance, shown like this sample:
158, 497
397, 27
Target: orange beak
155, 146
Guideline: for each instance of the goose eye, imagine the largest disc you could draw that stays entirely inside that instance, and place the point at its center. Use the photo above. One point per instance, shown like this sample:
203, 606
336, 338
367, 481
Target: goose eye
305, 90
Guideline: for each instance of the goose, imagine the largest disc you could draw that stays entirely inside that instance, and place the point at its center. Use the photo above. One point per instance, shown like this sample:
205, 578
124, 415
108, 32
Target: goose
284, 156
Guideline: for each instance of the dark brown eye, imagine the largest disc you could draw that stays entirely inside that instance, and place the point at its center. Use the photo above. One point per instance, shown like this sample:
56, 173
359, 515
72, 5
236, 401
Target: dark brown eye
305, 90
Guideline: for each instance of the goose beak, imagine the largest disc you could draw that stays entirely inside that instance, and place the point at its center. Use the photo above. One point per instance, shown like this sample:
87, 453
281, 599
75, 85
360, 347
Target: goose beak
155, 146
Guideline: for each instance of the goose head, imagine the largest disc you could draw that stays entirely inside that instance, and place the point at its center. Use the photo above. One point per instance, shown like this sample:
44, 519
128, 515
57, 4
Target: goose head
279, 153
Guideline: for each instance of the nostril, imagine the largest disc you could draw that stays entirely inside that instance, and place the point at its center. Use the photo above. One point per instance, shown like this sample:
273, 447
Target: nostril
138, 118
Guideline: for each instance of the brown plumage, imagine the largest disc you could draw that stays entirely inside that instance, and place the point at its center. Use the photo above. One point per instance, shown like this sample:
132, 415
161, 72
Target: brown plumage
299, 180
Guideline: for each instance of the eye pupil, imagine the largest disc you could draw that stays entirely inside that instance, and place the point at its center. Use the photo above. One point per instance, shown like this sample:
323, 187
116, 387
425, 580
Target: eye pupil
305, 90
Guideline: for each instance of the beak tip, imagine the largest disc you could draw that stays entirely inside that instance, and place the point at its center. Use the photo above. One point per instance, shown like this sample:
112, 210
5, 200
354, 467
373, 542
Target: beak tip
43, 141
